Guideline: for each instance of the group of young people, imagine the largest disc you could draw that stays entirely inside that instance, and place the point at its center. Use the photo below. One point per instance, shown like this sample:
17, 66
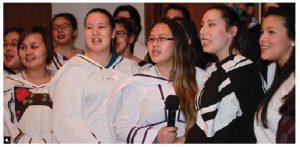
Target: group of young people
105, 94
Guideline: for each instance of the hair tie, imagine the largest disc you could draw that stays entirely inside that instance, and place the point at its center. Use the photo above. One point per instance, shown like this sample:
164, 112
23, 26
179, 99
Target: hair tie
237, 10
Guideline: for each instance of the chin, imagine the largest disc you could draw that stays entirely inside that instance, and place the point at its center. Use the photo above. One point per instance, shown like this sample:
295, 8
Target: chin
154, 60
266, 57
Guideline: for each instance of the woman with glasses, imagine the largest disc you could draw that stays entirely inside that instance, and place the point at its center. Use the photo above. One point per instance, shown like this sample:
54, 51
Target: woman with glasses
12, 63
127, 11
137, 107
125, 31
84, 84
64, 32
27, 104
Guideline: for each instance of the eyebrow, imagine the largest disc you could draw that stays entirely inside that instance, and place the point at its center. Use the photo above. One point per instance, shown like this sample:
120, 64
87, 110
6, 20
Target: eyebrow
269, 27
162, 35
34, 43
61, 24
11, 40
209, 20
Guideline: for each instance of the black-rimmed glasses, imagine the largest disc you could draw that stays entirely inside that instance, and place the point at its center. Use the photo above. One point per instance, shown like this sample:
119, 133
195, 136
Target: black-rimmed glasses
11, 44
121, 33
158, 39
64, 26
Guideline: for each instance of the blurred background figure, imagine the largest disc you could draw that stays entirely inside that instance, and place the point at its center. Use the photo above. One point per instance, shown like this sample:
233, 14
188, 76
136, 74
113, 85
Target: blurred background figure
125, 31
177, 11
64, 32
12, 63
249, 9
253, 31
139, 49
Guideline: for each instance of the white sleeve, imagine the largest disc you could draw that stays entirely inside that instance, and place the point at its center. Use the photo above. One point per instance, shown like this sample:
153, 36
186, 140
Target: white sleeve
68, 123
127, 104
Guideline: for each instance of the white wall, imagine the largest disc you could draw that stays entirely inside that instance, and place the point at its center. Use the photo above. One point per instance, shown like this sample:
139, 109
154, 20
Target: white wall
79, 10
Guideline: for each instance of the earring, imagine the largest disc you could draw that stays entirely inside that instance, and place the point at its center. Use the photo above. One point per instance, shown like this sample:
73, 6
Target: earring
293, 44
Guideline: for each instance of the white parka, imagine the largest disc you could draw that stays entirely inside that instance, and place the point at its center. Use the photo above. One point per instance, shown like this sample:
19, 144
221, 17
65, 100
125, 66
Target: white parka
81, 89
137, 109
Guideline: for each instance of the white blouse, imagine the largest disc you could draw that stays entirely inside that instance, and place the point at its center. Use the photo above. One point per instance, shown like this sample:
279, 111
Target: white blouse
262, 134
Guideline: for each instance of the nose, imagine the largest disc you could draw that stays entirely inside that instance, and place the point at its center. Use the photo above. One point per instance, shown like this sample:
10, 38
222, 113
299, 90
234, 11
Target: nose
201, 31
155, 42
262, 38
28, 50
95, 31
59, 28
7, 47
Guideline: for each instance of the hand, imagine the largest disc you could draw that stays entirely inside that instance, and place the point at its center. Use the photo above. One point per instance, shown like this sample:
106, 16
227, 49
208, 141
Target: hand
180, 140
167, 134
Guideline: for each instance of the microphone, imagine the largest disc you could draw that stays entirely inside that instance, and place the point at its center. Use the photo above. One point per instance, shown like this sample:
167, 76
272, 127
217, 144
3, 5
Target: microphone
171, 104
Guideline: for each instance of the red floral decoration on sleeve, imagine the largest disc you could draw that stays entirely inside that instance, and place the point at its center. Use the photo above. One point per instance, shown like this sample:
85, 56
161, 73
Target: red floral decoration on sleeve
21, 93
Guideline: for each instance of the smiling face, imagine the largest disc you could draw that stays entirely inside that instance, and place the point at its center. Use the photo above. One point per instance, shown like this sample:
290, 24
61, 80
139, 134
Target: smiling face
33, 52
274, 41
62, 31
98, 32
160, 50
215, 39
11, 58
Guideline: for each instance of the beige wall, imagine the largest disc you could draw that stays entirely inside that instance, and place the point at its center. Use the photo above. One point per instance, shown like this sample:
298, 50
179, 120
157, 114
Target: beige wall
80, 10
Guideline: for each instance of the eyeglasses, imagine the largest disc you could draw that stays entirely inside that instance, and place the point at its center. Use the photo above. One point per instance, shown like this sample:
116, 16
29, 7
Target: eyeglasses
158, 39
121, 33
64, 26
11, 44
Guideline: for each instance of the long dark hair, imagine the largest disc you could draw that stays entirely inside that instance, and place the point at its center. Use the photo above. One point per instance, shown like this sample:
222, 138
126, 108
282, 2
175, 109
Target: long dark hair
232, 18
183, 72
288, 68
199, 57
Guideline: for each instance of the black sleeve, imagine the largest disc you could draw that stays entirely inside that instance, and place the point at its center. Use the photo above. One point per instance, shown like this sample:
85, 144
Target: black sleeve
248, 89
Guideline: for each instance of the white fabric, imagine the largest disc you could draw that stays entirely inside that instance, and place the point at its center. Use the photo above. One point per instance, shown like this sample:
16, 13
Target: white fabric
56, 63
228, 110
253, 22
81, 90
270, 75
229, 106
36, 121
136, 109
238, 61
5, 73
262, 134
